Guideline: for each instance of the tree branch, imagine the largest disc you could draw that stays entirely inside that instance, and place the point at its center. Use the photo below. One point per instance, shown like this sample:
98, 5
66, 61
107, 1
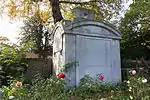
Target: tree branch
57, 16
81, 3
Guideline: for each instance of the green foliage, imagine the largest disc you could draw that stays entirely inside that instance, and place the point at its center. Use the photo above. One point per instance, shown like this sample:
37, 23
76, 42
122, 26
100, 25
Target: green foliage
67, 66
3, 39
39, 89
135, 88
35, 36
25, 9
11, 59
135, 29
95, 89
32, 34
104, 9
2, 75
139, 88
29, 45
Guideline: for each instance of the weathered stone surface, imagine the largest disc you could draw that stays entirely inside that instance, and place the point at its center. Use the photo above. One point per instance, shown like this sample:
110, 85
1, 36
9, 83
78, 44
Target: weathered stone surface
95, 45
82, 13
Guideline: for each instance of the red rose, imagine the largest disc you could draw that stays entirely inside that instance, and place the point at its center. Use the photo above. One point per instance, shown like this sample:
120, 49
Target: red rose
62, 76
101, 77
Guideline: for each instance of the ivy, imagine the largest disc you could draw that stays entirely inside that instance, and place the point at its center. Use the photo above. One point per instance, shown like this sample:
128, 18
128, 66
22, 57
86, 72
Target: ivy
67, 66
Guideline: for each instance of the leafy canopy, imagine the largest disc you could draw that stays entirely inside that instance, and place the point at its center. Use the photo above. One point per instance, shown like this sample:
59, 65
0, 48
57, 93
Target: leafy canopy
12, 59
135, 28
34, 35
17, 9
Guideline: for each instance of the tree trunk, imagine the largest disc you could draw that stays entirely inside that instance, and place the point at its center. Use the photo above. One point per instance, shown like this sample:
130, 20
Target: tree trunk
57, 16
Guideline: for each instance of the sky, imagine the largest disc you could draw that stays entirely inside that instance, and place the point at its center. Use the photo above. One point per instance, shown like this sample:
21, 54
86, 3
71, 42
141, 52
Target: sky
11, 30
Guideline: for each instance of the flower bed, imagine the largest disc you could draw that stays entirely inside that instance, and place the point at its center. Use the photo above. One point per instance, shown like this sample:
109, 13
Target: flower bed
136, 88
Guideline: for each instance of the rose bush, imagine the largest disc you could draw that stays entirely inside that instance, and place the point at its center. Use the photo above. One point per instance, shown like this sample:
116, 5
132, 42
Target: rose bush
54, 88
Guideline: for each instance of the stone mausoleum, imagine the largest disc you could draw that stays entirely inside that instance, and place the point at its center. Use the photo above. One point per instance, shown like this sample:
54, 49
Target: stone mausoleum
94, 44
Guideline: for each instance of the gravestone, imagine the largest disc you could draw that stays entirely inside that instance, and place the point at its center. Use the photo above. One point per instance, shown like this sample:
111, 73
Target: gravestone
94, 44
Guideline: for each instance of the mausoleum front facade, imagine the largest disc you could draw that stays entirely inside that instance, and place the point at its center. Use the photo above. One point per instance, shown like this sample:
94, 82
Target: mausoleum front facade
95, 45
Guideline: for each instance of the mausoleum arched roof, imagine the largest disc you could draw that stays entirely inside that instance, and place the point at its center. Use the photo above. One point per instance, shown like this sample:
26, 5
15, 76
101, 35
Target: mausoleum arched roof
88, 27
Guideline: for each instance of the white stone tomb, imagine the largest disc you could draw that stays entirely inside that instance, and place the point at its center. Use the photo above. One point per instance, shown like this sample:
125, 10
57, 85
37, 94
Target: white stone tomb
95, 45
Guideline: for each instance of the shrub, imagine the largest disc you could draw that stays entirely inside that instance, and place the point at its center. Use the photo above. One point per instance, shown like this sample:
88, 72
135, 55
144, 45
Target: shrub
138, 87
54, 88
39, 89
12, 61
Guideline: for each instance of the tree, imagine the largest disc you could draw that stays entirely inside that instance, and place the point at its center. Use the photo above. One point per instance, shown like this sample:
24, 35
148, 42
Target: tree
12, 62
57, 16
3, 39
135, 28
29, 8
34, 36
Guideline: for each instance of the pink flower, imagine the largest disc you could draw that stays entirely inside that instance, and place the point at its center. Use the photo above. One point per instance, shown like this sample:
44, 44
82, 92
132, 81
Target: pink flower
18, 84
133, 73
101, 77
57, 76
62, 76
58, 83
13, 90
